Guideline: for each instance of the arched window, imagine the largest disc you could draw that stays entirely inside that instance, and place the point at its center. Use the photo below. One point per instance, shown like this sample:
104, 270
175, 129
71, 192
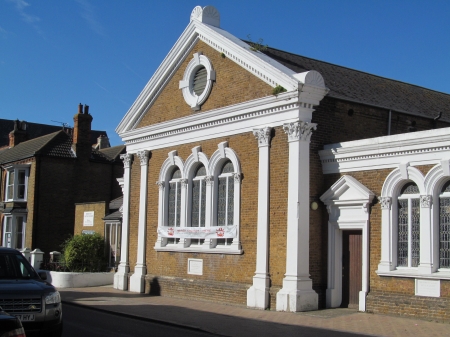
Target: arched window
444, 227
408, 239
198, 211
174, 202
225, 199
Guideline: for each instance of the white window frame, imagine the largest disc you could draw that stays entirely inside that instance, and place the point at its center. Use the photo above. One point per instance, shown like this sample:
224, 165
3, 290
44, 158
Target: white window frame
15, 184
13, 218
212, 166
430, 187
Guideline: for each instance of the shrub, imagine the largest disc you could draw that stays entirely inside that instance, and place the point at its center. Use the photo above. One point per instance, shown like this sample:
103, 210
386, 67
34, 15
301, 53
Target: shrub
85, 253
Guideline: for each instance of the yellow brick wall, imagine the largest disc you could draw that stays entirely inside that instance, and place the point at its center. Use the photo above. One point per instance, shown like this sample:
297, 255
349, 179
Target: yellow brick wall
100, 209
233, 85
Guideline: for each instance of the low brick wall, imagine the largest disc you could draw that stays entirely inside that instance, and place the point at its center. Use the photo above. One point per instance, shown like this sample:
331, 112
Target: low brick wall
224, 292
409, 306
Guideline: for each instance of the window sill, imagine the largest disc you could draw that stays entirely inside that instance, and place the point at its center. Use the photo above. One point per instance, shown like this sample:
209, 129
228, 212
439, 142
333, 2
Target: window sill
413, 273
200, 249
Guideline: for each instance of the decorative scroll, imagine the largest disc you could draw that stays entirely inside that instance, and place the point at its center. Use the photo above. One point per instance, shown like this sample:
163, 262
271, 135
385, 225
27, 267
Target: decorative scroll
263, 135
386, 202
216, 232
209, 180
425, 201
161, 184
127, 158
299, 130
143, 156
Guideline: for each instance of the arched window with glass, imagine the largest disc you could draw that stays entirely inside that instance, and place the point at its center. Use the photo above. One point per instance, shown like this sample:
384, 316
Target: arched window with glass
408, 240
225, 199
174, 199
444, 226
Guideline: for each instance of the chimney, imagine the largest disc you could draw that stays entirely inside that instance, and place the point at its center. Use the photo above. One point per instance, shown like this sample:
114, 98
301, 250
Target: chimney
19, 134
102, 142
82, 132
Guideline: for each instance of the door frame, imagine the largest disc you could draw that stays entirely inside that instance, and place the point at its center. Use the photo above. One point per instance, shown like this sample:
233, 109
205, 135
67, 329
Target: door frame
348, 204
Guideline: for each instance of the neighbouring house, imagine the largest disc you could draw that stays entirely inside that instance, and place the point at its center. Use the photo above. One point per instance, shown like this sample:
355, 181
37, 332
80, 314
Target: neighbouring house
44, 177
260, 177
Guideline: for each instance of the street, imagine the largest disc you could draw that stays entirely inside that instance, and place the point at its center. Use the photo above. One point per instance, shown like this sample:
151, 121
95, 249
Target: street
80, 321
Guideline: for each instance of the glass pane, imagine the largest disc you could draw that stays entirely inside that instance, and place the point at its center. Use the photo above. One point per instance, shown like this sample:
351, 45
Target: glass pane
230, 215
172, 199
201, 171
176, 174
21, 192
178, 205
10, 192
444, 233
415, 232
21, 177
402, 255
228, 167
195, 203
222, 202
410, 188
8, 224
446, 187
203, 203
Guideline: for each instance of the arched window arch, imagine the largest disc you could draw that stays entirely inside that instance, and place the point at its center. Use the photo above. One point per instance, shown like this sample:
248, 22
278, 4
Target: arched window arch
444, 226
408, 237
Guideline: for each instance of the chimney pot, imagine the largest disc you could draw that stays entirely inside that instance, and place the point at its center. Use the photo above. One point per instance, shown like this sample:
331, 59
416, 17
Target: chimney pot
80, 108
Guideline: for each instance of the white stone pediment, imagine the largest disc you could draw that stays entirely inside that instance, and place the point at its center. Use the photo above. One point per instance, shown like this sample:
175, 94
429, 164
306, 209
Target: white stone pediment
204, 26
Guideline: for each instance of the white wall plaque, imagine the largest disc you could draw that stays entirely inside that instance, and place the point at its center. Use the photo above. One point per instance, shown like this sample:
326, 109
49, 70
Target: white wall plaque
88, 219
430, 288
195, 266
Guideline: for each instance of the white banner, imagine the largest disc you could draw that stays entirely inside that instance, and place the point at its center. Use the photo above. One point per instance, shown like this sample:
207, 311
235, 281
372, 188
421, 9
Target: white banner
217, 232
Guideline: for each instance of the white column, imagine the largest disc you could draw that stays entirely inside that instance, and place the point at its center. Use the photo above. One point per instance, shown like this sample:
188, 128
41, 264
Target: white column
387, 246
121, 277
137, 280
161, 185
426, 237
258, 293
208, 243
297, 293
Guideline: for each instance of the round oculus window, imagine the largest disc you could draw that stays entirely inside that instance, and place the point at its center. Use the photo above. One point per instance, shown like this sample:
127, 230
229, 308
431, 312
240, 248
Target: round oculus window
197, 81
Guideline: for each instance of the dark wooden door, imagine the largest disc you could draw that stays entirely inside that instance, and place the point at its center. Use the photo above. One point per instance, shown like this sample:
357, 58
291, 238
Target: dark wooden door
351, 268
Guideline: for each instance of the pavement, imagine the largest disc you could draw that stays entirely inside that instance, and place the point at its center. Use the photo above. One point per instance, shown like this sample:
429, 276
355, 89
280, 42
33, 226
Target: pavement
237, 320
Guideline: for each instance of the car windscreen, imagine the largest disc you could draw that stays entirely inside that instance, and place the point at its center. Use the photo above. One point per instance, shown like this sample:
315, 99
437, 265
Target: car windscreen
15, 266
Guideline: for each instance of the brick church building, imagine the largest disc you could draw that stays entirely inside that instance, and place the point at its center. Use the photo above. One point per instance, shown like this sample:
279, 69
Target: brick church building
260, 177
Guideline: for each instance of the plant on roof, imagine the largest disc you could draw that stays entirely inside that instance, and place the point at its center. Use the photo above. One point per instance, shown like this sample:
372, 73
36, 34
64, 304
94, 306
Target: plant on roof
257, 46
278, 90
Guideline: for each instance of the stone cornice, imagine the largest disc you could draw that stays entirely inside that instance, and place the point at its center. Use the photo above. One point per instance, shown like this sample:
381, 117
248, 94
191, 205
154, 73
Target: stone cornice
418, 148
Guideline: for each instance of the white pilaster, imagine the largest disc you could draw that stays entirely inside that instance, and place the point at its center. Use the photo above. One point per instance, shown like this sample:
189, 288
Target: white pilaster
386, 262
137, 280
121, 277
258, 293
426, 237
297, 293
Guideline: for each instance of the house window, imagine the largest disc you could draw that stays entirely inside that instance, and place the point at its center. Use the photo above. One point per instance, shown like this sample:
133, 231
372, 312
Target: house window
198, 198
14, 231
113, 233
408, 252
16, 183
225, 199
444, 227
174, 195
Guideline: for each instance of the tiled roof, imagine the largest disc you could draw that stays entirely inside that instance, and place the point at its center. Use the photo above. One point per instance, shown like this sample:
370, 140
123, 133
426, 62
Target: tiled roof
116, 203
53, 144
35, 130
357, 86
114, 208
113, 152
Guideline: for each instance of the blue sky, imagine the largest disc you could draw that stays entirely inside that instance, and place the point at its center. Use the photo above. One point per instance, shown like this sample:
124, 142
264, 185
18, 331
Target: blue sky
56, 54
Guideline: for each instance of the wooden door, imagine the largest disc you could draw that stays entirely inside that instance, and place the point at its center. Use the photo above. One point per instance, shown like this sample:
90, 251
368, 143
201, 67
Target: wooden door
351, 268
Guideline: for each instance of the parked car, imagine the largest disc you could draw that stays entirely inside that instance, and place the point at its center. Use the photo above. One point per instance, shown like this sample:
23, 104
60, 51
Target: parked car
26, 295
10, 325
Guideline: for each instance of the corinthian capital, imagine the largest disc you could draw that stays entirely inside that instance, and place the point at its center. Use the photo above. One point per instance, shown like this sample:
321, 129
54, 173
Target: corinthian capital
127, 159
299, 130
143, 156
263, 136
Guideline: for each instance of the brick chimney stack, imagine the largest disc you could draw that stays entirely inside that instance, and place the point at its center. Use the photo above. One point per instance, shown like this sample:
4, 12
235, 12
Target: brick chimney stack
82, 132
19, 134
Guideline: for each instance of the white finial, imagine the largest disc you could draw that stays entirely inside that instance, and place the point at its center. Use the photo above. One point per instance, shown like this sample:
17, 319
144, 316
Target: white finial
209, 15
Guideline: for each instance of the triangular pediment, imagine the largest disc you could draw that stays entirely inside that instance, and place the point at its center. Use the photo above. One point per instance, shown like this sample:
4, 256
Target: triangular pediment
204, 27
347, 190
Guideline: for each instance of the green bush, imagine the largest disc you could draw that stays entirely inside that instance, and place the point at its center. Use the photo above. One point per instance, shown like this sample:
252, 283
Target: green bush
85, 253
